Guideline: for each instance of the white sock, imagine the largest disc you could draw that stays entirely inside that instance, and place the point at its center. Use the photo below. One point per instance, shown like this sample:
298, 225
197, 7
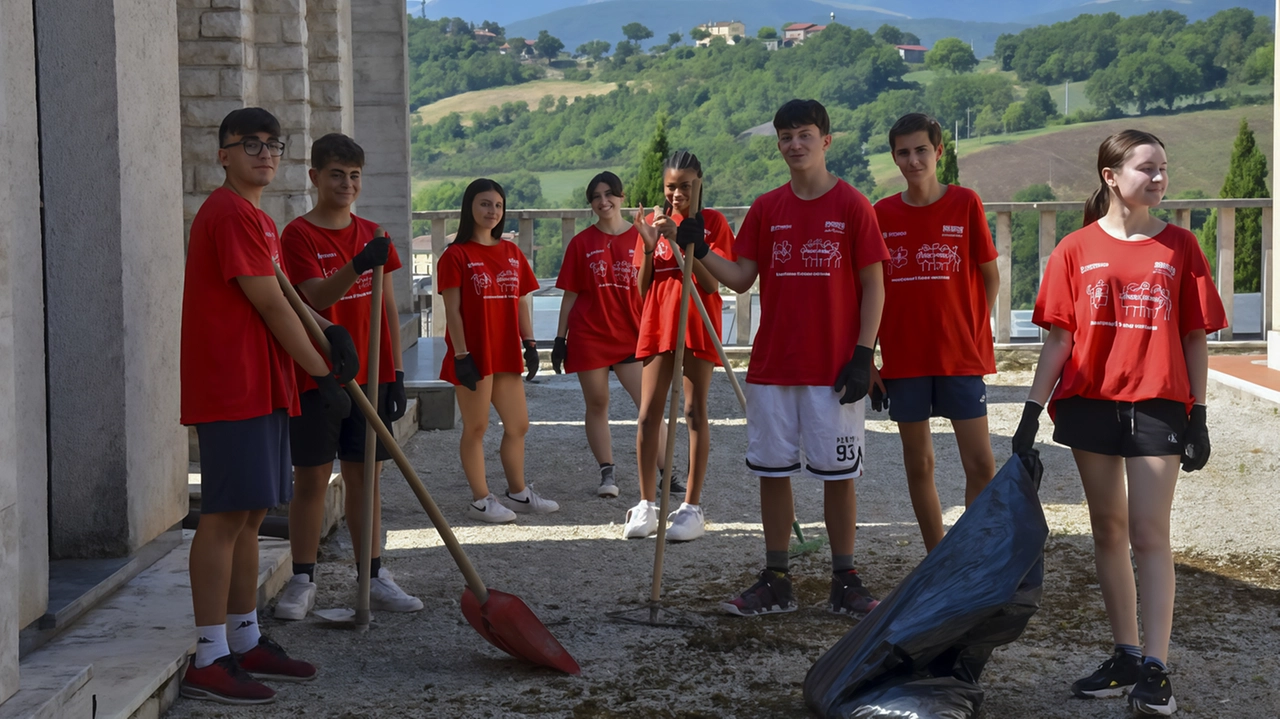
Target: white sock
242, 631
522, 495
211, 645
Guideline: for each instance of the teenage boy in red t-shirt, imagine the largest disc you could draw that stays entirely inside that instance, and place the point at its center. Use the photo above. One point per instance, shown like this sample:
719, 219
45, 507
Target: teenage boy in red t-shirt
935, 339
815, 245
329, 254
240, 339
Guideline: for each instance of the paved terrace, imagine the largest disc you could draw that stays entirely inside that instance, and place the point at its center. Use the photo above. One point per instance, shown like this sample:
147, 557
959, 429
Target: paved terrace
572, 568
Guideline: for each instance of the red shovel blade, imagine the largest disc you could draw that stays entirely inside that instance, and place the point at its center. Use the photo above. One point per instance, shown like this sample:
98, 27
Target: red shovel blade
507, 623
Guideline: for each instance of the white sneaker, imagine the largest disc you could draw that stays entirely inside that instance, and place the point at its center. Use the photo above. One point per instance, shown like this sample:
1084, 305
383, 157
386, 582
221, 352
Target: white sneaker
687, 523
608, 488
386, 595
642, 520
490, 510
296, 599
534, 504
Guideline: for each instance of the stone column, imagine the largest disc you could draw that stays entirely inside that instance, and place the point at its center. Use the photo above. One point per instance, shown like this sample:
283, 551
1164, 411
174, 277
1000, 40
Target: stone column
380, 54
20, 205
111, 158
23, 579
280, 34
329, 66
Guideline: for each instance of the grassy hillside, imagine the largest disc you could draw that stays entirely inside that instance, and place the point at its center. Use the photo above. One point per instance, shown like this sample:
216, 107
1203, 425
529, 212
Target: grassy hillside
557, 185
530, 92
1199, 145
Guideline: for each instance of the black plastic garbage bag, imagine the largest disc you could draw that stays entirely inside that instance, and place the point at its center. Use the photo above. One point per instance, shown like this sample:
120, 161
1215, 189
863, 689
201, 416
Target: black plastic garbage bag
921, 651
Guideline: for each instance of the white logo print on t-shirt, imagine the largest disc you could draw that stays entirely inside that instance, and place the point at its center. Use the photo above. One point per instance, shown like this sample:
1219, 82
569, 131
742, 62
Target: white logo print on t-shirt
782, 253
1146, 300
821, 253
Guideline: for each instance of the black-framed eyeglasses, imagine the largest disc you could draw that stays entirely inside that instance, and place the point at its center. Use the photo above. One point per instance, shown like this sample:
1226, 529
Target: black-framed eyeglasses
253, 147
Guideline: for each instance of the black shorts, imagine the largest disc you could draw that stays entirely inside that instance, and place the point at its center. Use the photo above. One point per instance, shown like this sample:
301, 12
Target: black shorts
631, 359
316, 440
1151, 428
245, 464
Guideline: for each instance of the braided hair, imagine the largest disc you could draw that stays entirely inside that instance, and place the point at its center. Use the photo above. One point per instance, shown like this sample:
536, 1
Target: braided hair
685, 160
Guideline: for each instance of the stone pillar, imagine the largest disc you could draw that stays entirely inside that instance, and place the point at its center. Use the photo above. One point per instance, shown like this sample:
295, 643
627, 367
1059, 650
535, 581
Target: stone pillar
110, 148
19, 261
217, 75
380, 54
20, 258
280, 34
329, 66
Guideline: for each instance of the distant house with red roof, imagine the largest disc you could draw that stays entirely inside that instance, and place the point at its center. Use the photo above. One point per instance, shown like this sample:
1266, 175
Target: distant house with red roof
797, 32
912, 53
527, 53
483, 36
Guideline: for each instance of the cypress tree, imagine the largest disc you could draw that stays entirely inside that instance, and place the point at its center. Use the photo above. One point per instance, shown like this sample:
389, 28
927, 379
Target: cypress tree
1246, 177
646, 188
948, 166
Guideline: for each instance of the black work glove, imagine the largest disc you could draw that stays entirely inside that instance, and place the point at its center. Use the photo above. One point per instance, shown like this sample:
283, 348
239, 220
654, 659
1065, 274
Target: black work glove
397, 400
558, 354
1195, 447
530, 358
332, 401
342, 353
1024, 438
855, 377
879, 400
693, 231
468, 374
374, 254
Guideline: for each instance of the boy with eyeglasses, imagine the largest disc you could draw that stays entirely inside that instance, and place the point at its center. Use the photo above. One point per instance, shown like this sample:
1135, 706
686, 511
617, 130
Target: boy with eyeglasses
240, 339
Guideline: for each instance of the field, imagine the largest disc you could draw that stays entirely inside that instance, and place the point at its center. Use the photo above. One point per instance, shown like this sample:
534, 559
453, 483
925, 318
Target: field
1199, 145
530, 92
557, 185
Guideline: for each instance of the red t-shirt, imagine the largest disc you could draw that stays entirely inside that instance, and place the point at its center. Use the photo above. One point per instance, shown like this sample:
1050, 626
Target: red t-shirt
312, 252
605, 319
1127, 306
491, 279
660, 318
935, 320
809, 253
232, 366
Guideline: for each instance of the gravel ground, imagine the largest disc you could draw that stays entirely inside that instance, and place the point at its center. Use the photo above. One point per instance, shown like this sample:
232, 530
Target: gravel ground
572, 568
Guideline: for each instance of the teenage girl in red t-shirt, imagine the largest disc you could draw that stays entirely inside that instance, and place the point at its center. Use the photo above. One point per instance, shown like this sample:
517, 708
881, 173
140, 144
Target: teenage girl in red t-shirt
661, 285
486, 283
1128, 301
600, 316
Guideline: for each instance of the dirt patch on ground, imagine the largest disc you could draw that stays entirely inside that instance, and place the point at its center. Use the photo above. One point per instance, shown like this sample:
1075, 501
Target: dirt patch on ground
572, 568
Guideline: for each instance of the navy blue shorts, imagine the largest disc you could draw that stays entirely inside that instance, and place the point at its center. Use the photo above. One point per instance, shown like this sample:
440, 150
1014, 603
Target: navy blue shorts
245, 464
315, 440
916, 399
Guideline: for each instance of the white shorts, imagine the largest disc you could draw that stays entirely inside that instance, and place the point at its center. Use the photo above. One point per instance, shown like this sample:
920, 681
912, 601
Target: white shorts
795, 428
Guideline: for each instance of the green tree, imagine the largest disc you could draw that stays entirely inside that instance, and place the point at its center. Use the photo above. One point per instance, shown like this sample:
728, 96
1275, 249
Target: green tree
846, 161
674, 39
595, 49
699, 33
1246, 177
767, 33
548, 45
889, 34
646, 188
988, 122
949, 165
950, 54
635, 32
1024, 249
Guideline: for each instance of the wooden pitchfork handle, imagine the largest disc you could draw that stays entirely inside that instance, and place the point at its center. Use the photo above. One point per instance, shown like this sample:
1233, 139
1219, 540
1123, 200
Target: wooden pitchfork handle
389, 441
370, 452
711, 330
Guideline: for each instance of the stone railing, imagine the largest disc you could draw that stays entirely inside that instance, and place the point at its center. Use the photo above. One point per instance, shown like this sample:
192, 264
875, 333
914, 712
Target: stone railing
1003, 315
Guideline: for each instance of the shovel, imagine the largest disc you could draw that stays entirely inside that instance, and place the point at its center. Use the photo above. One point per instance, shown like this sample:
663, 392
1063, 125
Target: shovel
504, 620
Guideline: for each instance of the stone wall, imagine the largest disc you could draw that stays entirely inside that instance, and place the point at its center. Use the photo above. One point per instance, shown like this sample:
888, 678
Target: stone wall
19, 261
111, 180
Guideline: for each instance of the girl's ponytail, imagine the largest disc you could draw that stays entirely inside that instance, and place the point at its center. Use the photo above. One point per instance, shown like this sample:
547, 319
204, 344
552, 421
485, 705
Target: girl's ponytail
1096, 206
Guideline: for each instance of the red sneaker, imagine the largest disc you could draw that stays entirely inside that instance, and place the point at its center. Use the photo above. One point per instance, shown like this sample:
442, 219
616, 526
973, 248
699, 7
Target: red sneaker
224, 681
269, 660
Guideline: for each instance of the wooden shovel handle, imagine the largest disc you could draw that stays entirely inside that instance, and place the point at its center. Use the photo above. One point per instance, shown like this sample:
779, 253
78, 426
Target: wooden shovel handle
389, 441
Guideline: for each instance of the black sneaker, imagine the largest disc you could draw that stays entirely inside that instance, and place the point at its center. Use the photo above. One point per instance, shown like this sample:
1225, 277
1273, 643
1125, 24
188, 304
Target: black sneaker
771, 595
677, 487
1152, 694
1112, 679
848, 596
